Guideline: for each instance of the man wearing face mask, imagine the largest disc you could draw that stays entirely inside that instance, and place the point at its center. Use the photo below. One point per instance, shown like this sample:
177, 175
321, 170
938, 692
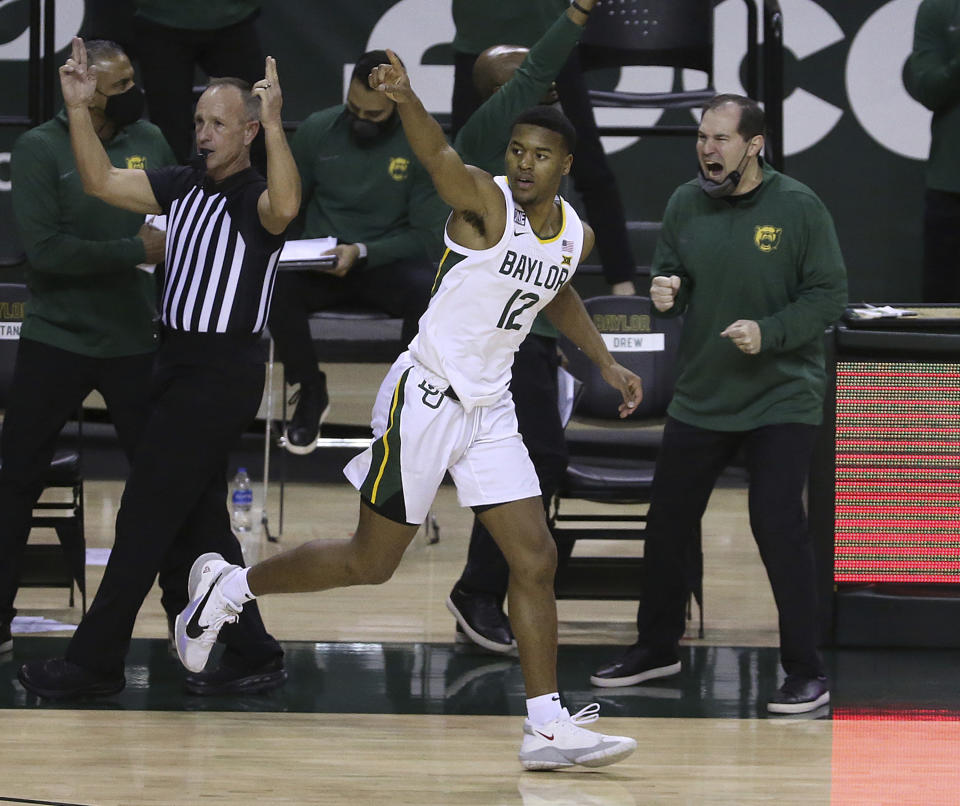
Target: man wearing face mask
89, 323
750, 257
362, 185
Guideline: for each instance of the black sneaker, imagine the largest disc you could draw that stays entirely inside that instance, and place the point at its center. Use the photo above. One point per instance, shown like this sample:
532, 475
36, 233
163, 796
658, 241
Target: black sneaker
6, 639
798, 695
313, 405
60, 679
228, 680
637, 664
482, 620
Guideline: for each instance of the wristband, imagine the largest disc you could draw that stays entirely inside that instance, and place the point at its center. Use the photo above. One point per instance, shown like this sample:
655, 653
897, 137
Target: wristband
579, 8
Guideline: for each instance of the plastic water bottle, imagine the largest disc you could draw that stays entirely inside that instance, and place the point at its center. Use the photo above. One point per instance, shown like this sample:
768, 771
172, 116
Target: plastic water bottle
241, 501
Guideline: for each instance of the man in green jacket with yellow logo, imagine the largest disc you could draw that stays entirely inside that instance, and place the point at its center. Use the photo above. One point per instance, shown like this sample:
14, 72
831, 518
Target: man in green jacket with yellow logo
750, 258
932, 76
89, 323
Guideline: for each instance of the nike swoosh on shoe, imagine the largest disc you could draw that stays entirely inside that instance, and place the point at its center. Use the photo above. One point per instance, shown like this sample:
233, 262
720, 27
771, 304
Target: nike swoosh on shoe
193, 629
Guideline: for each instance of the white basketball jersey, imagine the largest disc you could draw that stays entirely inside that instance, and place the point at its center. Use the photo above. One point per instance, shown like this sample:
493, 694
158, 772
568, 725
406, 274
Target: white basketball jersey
485, 301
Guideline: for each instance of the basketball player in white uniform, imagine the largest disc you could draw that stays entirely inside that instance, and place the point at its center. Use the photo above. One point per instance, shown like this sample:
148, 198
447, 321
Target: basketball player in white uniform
513, 246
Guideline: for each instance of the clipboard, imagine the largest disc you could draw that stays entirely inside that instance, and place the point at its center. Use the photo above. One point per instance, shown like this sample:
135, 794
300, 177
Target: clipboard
305, 254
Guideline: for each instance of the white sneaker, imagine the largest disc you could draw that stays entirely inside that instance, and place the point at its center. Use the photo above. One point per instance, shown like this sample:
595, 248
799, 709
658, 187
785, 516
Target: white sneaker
200, 621
563, 743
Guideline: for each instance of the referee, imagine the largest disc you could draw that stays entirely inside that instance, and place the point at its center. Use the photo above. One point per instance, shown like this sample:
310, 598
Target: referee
225, 229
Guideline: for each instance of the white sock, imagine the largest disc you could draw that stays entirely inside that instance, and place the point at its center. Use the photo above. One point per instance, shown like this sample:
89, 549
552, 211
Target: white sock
544, 709
235, 588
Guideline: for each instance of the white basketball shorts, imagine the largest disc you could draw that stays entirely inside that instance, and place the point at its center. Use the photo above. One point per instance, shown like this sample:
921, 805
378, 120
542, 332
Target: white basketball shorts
420, 433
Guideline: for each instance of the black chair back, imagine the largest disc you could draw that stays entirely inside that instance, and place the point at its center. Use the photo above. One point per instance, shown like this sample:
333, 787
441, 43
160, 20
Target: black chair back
674, 33
645, 344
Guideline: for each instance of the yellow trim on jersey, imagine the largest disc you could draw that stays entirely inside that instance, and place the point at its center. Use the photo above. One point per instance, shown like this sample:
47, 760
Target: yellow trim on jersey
563, 226
436, 277
386, 445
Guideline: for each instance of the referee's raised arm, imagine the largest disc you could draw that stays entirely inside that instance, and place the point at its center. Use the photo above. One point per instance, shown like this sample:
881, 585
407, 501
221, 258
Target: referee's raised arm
280, 202
122, 187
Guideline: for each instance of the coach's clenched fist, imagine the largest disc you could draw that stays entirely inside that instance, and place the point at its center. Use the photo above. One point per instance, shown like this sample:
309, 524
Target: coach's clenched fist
663, 291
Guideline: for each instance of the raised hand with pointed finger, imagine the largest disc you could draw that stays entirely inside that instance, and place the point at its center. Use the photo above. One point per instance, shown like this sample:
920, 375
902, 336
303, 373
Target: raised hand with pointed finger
78, 80
267, 90
392, 79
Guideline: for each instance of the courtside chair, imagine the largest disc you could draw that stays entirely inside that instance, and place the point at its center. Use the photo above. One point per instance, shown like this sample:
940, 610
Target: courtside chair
610, 472
659, 33
47, 565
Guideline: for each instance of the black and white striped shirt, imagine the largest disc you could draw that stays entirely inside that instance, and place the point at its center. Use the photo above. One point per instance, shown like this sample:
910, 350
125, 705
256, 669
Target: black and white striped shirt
220, 262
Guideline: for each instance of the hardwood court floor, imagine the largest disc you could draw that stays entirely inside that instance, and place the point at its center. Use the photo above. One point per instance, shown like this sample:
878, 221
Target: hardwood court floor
381, 706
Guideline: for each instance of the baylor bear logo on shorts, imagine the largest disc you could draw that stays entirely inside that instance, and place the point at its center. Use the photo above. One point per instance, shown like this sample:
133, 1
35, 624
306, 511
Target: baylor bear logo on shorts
137, 162
398, 168
767, 238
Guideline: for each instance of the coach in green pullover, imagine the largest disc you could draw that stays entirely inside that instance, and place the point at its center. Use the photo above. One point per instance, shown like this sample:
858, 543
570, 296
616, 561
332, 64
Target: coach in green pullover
751, 258
932, 76
89, 322
363, 186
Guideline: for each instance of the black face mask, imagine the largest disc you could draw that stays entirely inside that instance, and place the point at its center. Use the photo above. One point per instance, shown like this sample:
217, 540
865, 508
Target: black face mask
366, 133
125, 108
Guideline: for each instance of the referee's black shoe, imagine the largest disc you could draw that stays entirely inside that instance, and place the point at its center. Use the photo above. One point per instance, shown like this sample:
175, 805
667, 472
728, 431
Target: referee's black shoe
313, 405
60, 679
229, 680
637, 664
481, 620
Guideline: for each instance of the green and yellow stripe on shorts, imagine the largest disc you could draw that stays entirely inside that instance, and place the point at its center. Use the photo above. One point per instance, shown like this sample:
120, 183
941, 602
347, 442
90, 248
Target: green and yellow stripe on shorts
383, 486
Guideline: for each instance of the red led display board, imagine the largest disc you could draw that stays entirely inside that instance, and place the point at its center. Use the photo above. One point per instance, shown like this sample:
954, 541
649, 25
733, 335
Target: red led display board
897, 515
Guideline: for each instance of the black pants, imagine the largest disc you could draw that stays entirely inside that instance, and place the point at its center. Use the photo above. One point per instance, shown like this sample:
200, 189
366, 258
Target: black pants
168, 59
592, 176
206, 390
534, 390
401, 288
941, 247
688, 464
48, 387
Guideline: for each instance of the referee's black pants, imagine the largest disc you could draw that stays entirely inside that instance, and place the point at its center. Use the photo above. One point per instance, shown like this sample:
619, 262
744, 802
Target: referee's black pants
688, 465
48, 386
206, 390
534, 390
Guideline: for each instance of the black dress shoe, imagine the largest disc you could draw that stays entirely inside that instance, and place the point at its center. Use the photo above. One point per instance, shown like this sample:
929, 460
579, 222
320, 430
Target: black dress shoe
60, 679
482, 620
313, 405
798, 695
637, 664
229, 680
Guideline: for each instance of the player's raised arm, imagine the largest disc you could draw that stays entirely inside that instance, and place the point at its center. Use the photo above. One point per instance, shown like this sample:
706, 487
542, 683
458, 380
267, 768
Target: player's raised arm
128, 188
464, 188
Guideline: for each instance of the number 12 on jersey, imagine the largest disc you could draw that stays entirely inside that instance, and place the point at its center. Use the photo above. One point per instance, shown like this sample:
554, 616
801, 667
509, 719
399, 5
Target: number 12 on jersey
508, 319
